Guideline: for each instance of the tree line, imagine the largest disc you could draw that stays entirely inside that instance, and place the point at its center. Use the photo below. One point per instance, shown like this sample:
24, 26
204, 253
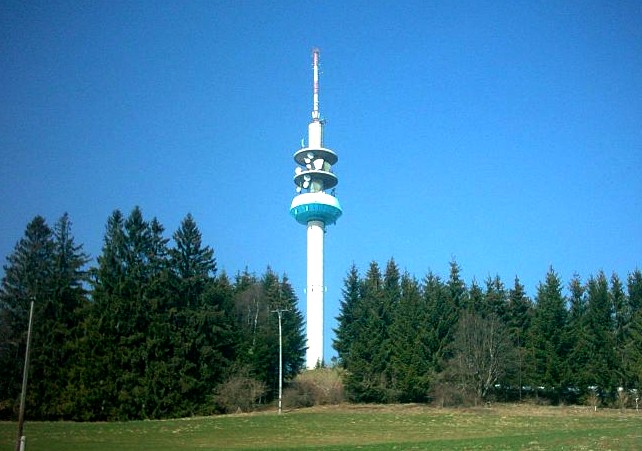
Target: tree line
404, 340
153, 330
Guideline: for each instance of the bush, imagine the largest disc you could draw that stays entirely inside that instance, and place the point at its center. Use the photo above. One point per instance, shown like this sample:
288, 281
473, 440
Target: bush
239, 393
320, 386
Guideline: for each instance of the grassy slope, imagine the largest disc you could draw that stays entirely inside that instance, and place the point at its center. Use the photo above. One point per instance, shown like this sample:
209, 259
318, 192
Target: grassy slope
346, 427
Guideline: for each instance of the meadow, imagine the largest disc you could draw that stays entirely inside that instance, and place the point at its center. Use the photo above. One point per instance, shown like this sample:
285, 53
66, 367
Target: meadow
345, 427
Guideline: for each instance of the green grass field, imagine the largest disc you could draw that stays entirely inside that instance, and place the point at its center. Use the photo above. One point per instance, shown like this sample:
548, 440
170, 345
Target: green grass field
351, 427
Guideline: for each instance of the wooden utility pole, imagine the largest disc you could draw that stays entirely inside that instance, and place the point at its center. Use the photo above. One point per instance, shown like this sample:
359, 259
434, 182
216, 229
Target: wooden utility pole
20, 441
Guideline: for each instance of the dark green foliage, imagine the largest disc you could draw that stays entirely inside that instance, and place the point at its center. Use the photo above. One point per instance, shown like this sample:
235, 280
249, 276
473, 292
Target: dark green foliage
368, 378
410, 360
46, 267
445, 304
349, 314
398, 339
28, 276
152, 331
545, 350
632, 347
593, 354
495, 300
155, 336
518, 318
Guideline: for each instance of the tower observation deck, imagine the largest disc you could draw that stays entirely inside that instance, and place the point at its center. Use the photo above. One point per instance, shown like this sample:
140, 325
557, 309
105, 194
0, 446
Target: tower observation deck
315, 208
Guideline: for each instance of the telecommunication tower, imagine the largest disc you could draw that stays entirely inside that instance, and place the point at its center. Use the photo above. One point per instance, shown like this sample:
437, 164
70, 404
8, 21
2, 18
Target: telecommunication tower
315, 208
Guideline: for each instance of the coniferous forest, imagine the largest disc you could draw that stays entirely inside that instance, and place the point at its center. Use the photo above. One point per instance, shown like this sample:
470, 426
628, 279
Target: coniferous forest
404, 340
153, 330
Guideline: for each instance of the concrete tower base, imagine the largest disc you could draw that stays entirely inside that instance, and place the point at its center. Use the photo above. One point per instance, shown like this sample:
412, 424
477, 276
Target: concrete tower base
315, 289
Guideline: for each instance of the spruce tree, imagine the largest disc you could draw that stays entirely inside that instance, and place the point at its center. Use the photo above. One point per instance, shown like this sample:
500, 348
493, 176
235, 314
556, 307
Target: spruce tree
122, 335
621, 320
601, 366
439, 318
475, 299
28, 276
633, 341
47, 267
519, 312
294, 340
574, 334
349, 315
410, 360
55, 350
445, 302
495, 299
546, 357
367, 380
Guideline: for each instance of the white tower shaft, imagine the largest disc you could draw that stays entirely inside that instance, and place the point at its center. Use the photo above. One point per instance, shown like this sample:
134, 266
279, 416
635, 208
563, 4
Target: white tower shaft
315, 291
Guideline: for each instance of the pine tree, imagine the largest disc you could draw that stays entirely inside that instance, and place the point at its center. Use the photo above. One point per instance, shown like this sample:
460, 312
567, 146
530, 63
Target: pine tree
457, 291
28, 276
192, 263
294, 340
621, 320
633, 341
54, 351
189, 342
349, 314
546, 357
475, 299
444, 303
438, 319
367, 380
410, 361
495, 299
47, 267
598, 328
574, 336
128, 295
519, 312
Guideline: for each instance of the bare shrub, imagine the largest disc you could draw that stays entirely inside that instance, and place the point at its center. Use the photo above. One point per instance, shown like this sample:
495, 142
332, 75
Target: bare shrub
239, 393
319, 386
593, 398
446, 394
622, 398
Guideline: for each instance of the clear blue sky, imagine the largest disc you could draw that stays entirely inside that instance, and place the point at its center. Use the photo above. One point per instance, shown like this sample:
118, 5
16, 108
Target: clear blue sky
507, 135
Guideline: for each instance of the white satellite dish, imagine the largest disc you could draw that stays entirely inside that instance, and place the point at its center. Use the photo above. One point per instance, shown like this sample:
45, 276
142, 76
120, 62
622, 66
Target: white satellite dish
310, 155
318, 164
298, 170
306, 177
306, 184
